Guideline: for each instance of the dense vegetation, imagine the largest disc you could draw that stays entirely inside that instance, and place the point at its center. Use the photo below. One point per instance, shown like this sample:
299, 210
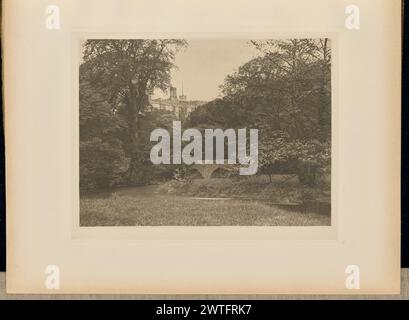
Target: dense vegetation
116, 78
285, 92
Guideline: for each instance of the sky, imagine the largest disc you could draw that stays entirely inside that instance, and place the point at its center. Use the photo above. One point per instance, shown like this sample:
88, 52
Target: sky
204, 64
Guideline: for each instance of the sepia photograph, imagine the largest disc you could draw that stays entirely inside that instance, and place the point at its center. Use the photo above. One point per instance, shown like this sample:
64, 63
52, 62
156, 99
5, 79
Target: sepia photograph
223, 132
201, 149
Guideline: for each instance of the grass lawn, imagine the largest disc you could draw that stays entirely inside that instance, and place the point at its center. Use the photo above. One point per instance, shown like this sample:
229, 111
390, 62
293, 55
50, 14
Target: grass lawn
126, 210
283, 189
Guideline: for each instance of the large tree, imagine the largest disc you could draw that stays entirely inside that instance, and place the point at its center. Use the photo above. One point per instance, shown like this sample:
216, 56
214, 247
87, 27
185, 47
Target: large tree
285, 92
286, 88
126, 72
304, 66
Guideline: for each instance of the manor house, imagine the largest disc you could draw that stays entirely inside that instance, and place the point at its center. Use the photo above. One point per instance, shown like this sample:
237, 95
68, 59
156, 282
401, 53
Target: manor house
180, 106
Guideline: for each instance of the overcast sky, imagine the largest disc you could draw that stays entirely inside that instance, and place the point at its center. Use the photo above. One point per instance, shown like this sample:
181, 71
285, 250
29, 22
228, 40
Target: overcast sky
204, 64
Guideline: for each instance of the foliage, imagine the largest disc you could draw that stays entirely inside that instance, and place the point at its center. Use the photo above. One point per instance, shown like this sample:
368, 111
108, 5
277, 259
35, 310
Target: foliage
279, 146
103, 135
219, 113
101, 155
287, 87
99, 164
125, 72
285, 92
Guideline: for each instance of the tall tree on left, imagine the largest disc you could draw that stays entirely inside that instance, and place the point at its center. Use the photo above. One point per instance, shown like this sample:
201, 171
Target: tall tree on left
126, 71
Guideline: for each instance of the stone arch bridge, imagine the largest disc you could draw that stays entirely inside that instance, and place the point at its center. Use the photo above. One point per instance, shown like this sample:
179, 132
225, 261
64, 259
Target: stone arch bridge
206, 170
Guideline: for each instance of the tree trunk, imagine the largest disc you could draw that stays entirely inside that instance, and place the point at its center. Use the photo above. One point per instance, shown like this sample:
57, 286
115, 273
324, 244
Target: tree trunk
133, 136
137, 101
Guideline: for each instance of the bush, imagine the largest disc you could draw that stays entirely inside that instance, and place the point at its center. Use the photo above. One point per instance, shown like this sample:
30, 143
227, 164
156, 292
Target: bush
100, 164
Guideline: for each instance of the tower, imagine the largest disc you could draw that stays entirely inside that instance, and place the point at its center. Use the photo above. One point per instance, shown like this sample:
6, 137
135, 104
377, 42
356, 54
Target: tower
182, 96
173, 94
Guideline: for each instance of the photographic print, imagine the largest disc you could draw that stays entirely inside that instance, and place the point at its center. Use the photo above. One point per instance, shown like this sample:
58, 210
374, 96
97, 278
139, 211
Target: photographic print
192, 151
205, 132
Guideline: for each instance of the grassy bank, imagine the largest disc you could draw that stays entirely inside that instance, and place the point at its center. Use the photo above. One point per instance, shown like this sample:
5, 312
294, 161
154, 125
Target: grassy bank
282, 189
242, 201
173, 211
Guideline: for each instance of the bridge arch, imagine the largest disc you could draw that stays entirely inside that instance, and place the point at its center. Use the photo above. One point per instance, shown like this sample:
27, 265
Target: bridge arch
206, 170
220, 172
